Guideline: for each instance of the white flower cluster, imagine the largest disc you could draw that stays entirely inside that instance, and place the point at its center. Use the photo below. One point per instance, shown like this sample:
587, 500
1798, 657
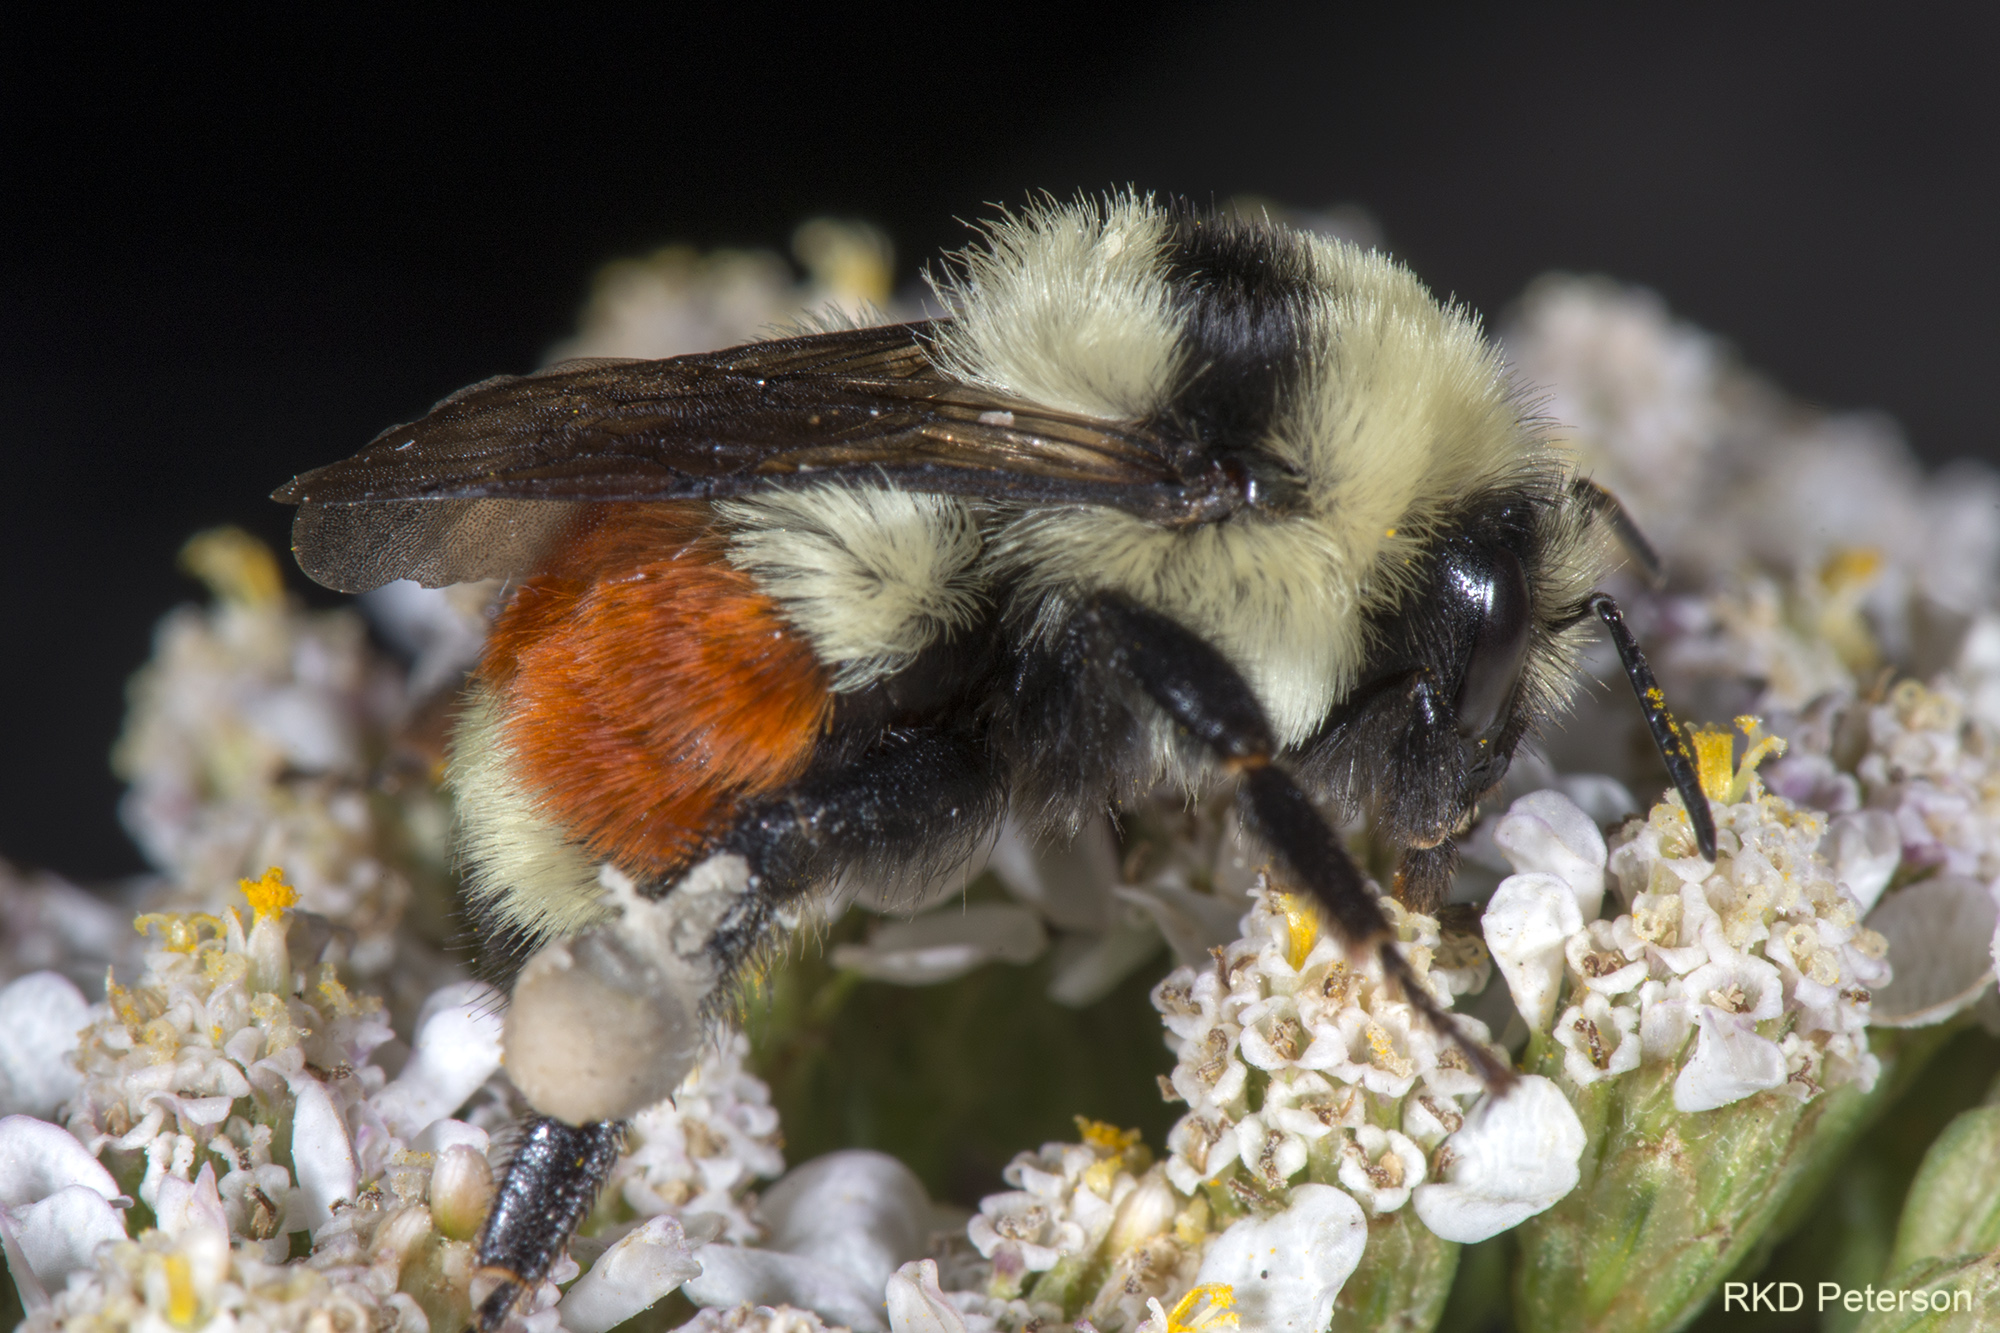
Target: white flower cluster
1916, 775
1933, 769
699, 1151
186, 1274
1761, 957
1743, 491
256, 736
1820, 556
234, 1089
1297, 1060
679, 300
1099, 1206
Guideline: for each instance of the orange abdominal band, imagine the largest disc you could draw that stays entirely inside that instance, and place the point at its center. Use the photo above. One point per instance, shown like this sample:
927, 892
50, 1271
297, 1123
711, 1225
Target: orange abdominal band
648, 688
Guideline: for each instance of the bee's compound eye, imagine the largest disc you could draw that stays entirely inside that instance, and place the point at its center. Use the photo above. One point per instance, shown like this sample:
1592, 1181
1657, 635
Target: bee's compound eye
595, 1032
1493, 597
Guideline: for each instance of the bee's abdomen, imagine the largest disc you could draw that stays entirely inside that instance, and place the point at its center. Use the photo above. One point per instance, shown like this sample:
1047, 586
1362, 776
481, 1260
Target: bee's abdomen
648, 688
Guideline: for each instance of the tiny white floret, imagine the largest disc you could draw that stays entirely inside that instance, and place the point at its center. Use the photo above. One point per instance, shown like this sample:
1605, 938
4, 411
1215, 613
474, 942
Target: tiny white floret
1528, 921
1730, 1062
630, 1277
1287, 1269
41, 1016
457, 1048
1516, 1156
1546, 831
917, 1304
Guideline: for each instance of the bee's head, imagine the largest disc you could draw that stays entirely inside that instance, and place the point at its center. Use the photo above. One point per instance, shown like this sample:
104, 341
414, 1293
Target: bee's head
1474, 650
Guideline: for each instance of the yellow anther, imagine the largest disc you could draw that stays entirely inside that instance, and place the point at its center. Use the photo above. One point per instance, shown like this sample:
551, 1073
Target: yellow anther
121, 1002
236, 567
1714, 756
852, 260
180, 931
1101, 1134
1850, 568
182, 1304
270, 896
1723, 779
1219, 1312
1301, 928
1383, 1051
1101, 1175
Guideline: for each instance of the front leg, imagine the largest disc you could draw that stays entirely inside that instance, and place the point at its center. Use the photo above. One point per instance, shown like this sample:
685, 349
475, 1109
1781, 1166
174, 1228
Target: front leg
1195, 685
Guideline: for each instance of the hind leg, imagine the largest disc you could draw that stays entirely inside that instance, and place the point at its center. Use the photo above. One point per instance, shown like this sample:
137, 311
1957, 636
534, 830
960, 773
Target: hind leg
917, 797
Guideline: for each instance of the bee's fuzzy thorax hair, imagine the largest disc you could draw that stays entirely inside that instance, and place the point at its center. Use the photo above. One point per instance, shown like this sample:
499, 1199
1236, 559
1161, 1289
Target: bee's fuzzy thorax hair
1068, 306
1335, 361
870, 575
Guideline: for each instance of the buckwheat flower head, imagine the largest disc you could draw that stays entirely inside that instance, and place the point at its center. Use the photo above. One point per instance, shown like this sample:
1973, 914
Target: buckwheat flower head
221, 1027
232, 1089
187, 1274
1719, 1007
1327, 1040
1932, 767
1092, 1230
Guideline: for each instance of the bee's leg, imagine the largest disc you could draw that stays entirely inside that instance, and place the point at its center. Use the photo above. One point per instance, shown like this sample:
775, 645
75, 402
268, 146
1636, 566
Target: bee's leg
1197, 687
1423, 876
916, 799
551, 1182
915, 803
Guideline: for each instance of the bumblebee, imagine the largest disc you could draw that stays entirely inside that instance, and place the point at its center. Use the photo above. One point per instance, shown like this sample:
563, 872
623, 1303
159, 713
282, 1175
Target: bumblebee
1165, 497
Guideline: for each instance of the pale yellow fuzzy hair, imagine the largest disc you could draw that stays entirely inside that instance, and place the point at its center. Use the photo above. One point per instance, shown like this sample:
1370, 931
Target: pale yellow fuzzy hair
1403, 412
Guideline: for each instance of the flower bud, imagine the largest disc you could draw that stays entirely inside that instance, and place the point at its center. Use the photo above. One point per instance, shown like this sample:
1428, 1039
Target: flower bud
461, 1190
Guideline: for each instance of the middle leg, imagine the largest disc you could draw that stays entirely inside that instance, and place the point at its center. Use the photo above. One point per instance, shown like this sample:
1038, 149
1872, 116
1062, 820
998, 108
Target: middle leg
1191, 681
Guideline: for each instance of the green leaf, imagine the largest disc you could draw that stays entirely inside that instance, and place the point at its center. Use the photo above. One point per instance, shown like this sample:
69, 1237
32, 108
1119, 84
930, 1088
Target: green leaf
1671, 1203
1405, 1275
1954, 1204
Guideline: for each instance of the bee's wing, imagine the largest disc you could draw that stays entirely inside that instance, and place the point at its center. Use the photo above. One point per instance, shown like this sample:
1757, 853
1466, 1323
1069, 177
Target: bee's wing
466, 491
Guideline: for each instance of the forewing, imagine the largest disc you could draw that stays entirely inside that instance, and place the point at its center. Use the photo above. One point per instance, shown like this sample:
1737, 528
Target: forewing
466, 491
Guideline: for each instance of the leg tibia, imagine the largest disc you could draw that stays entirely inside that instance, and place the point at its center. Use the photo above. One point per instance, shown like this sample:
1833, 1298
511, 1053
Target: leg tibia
550, 1184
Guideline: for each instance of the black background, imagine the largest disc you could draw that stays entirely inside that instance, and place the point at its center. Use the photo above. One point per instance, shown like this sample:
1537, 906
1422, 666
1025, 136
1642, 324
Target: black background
236, 246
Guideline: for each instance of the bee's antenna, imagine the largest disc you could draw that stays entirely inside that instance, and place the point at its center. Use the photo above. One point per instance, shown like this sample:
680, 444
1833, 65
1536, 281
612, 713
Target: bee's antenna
1605, 505
1666, 735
